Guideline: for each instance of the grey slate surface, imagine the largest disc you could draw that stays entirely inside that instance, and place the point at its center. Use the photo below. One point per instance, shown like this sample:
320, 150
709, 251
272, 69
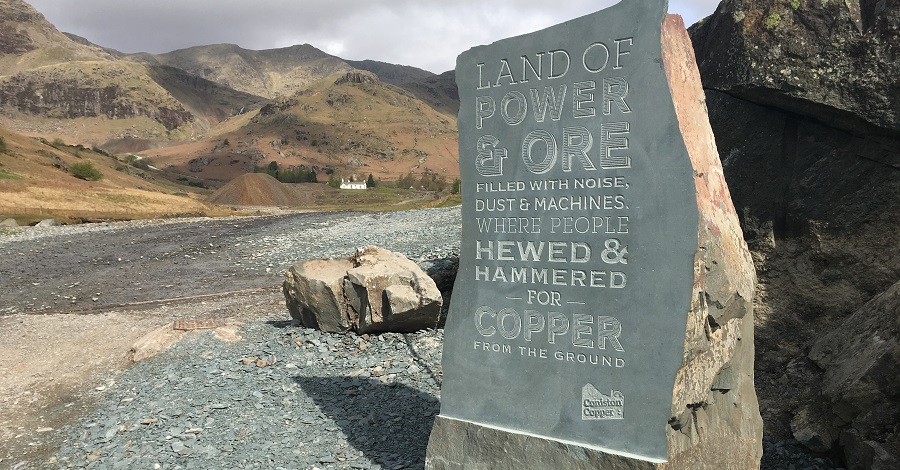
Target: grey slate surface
494, 372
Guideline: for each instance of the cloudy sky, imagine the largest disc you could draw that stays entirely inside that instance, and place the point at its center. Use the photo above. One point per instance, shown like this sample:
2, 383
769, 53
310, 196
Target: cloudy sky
428, 34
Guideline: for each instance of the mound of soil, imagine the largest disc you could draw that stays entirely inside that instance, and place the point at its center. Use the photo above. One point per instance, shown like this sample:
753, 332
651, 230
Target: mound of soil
260, 189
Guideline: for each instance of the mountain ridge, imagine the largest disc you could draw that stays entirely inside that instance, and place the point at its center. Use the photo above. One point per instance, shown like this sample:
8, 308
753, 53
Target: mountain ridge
187, 105
269, 73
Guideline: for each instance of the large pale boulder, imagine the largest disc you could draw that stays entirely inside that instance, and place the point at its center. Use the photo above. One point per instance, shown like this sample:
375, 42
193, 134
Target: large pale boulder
388, 292
314, 290
375, 290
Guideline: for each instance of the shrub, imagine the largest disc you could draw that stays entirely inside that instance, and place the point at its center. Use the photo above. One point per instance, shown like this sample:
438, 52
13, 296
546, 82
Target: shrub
456, 186
406, 181
432, 182
85, 171
294, 174
57, 142
334, 182
2, 144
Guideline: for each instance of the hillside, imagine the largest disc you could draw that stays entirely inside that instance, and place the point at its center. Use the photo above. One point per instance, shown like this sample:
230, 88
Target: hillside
54, 86
392, 73
209, 102
269, 73
352, 124
38, 180
438, 91
28, 40
208, 114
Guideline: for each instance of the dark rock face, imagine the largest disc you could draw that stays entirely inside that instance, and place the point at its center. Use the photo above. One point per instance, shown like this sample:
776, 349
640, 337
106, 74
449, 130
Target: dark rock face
73, 98
835, 61
12, 39
392, 73
357, 76
439, 92
864, 387
277, 106
804, 100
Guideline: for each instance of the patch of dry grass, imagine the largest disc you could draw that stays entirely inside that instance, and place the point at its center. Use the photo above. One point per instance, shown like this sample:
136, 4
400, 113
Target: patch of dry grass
124, 203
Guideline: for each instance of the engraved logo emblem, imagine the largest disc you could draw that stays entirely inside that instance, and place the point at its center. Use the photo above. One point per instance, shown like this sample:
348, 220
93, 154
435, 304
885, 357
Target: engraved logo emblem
595, 405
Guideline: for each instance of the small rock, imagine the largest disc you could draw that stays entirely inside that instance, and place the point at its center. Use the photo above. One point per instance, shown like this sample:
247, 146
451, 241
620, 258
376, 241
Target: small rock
48, 223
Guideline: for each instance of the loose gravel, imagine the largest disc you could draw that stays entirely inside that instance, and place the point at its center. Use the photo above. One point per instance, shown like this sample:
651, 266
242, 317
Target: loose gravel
92, 266
281, 397
284, 397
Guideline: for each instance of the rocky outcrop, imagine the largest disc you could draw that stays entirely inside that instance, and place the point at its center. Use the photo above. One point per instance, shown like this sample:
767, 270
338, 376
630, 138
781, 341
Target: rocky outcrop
714, 403
90, 90
804, 100
392, 73
357, 76
376, 290
30, 41
276, 106
12, 39
861, 383
832, 61
22, 28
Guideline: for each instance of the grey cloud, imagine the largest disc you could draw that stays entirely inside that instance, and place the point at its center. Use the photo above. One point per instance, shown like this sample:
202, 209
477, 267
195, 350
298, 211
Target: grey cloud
425, 34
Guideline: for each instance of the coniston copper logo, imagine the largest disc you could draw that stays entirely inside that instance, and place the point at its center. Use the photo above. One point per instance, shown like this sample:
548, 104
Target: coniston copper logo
597, 406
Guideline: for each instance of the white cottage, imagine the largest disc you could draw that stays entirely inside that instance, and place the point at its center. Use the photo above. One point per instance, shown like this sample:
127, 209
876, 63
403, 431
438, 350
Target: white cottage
353, 184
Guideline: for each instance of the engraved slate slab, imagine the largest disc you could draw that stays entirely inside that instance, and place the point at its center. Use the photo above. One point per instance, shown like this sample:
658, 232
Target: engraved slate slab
579, 236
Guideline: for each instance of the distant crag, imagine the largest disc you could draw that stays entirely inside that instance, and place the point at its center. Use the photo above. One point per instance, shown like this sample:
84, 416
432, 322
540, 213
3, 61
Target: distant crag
804, 99
46, 74
392, 73
357, 76
268, 73
90, 90
14, 40
439, 92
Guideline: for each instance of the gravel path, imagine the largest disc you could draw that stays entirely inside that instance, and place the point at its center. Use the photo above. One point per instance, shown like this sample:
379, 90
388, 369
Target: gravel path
281, 397
94, 266
284, 397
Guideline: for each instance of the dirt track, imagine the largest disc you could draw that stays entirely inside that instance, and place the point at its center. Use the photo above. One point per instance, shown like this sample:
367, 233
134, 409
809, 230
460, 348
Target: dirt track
137, 263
